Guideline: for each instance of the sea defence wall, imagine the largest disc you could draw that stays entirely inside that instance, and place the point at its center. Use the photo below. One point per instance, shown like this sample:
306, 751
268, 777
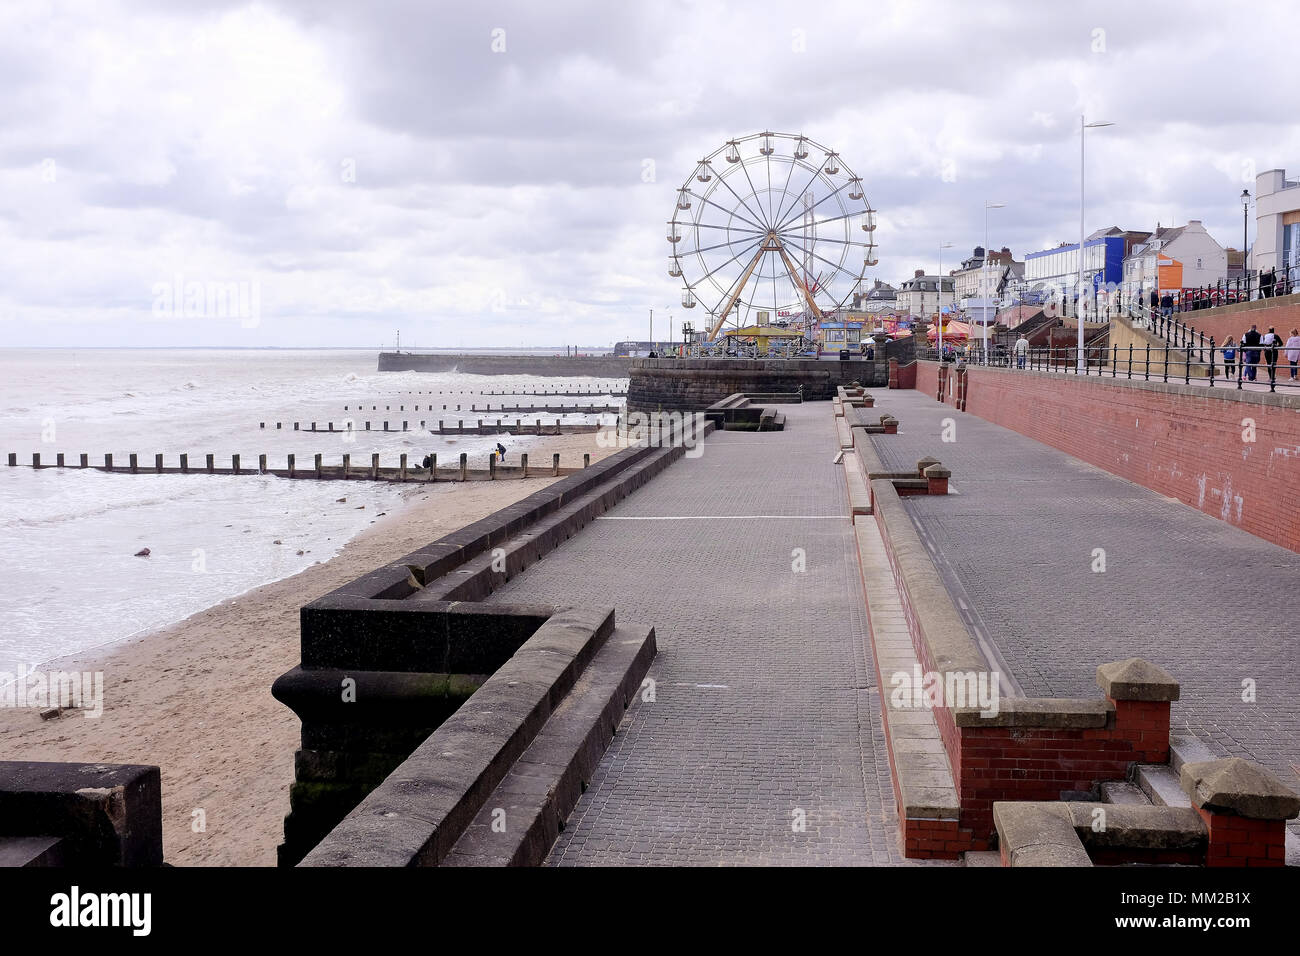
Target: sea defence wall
1233, 454
602, 366
674, 384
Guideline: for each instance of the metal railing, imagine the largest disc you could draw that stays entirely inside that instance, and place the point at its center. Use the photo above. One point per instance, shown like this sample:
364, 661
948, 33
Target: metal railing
1200, 364
1271, 284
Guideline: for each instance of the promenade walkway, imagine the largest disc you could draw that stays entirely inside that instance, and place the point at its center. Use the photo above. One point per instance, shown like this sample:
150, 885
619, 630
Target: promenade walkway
763, 742
1017, 539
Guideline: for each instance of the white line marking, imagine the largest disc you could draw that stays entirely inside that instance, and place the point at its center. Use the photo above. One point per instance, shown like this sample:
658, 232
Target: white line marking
710, 517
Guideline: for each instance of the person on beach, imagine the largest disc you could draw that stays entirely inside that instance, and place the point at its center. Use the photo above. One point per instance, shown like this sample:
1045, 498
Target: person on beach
1250, 352
1293, 352
1229, 356
1271, 341
501, 452
428, 461
1022, 350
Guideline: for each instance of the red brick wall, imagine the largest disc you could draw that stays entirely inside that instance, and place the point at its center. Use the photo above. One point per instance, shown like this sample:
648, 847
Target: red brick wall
1029, 763
927, 378
1233, 320
1187, 447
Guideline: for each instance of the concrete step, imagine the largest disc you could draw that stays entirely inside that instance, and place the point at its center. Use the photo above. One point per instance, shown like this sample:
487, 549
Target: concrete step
1160, 784
1117, 791
982, 858
859, 494
1184, 748
521, 819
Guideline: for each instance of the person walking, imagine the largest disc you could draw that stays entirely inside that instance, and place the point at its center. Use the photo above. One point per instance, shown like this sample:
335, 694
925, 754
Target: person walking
1229, 357
1293, 352
1250, 352
1271, 341
1022, 350
1155, 301
1166, 305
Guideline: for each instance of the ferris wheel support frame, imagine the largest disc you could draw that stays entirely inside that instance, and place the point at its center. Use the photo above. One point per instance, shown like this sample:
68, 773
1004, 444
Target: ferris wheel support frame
772, 244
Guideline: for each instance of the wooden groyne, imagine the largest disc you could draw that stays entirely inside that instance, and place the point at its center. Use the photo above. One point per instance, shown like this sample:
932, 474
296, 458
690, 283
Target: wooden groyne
574, 409
345, 470
502, 426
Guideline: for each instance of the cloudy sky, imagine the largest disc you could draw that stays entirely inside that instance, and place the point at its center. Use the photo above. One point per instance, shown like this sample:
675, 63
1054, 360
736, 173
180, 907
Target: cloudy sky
476, 173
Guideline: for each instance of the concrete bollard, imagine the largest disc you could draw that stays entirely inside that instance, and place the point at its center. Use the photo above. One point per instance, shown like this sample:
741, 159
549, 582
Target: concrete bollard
555, 463
234, 464
347, 465
291, 469
135, 464
108, 462
401, 467
492, 467
85, 460
210, 463
261, 464
185, 464
320, 472
58, 459
374, 466
523, 463
464, 466
157, 463
586, 460
36, 459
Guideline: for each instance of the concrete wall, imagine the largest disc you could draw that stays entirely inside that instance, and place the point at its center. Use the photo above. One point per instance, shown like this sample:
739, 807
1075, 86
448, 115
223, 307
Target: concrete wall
694, 384
556, 365
1232, 454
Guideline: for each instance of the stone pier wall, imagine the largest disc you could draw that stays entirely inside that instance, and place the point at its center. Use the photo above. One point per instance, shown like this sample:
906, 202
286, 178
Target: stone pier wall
672, 384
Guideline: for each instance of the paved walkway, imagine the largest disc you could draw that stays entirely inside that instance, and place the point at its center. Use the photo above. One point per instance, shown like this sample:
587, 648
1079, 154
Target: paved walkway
1212, 604
763, 744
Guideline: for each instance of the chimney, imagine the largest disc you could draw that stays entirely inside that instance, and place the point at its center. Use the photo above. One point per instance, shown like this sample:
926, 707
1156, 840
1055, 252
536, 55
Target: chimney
918, 273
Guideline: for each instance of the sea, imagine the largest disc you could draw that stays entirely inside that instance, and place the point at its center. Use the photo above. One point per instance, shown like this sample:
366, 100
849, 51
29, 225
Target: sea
69, 537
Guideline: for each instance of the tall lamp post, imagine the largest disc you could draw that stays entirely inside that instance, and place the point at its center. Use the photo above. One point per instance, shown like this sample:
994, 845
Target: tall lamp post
939, 296
985, 316
1245, 218
1084, 126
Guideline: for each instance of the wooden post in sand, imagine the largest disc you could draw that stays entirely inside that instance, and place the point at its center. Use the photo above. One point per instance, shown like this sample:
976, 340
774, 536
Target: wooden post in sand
157, 464
523, 463
261, 464
108, 462
347, 465
374, 466
433, 468
464, 467
320, 472
291, 469
555, 463
13, 459
211, 464
85, 460
36, 459
234, 464
185, 464
492, 466
401, 467
586, 461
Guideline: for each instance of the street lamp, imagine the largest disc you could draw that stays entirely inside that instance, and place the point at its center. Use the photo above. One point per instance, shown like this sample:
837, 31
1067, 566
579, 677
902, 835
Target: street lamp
984, 312
939, 296
1245, 218
1083, 128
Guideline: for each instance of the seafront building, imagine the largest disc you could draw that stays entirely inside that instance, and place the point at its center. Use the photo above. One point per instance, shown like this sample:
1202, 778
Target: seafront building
1277, 223
924, 295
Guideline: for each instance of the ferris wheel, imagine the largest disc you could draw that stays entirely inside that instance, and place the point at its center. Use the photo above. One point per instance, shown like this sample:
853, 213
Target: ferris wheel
770, 228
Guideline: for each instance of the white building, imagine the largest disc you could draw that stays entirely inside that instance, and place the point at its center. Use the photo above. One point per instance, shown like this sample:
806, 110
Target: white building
882, 297
1173, 259
1277, 219
921, 294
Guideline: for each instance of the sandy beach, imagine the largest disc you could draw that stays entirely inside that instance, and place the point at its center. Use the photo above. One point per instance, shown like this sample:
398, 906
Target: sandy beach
195, 698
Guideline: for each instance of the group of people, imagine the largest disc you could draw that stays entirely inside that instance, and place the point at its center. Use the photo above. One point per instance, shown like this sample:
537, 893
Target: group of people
1253, 345
498, 454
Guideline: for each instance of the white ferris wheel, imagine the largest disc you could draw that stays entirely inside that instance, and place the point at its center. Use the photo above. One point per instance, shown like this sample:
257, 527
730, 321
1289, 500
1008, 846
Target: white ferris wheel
770, 228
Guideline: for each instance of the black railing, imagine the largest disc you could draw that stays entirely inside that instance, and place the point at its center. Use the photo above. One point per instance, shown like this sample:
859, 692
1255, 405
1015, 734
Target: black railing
1208, 365
1270, 284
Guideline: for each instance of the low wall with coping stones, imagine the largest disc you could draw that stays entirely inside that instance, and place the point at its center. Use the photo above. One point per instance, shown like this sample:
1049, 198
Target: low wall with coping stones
418, 650
1182, 441
672, 384
1034, 748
